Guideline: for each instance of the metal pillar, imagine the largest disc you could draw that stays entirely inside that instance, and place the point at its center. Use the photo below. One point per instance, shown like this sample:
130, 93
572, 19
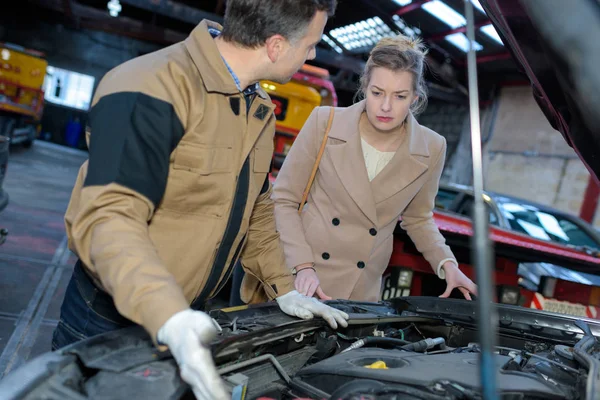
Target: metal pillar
482, 254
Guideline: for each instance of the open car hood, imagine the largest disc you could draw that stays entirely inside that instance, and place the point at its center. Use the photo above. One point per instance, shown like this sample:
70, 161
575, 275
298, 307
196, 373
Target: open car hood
555, 43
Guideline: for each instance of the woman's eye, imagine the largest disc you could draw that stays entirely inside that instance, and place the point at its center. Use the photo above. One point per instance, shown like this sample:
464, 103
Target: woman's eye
401, 97
376, 93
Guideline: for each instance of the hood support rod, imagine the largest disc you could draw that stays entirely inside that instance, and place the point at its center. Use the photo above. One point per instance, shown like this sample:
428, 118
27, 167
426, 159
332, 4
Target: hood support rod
482, 256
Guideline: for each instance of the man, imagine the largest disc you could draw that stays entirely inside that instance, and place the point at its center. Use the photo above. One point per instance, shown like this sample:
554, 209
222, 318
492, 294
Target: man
176, 188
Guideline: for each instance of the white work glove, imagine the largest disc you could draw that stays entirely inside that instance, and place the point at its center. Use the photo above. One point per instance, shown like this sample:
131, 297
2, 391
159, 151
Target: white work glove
188, 335
298, 305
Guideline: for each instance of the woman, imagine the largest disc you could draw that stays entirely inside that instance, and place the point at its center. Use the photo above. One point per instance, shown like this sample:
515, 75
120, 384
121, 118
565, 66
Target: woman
379, 165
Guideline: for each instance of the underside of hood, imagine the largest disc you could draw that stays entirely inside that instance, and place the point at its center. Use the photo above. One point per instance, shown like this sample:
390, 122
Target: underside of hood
555, 43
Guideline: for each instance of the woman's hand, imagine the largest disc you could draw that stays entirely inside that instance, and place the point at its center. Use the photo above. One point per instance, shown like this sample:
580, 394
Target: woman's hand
455, 279
307, 283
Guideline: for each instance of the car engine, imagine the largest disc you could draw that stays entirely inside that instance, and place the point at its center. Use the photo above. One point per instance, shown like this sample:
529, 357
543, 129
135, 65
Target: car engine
413, 348
414, 358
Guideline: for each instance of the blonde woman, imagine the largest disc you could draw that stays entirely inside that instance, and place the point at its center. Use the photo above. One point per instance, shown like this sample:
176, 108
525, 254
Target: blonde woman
379, 165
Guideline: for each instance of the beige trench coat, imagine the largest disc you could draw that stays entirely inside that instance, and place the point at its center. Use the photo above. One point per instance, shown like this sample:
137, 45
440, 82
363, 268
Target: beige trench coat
346, 227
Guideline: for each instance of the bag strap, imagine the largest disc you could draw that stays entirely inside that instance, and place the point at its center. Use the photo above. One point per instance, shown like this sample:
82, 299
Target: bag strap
318, 160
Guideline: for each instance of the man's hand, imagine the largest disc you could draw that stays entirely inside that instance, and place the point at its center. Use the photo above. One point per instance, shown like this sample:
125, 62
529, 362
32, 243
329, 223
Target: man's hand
307, 283
456, 279
298, 305
188, 334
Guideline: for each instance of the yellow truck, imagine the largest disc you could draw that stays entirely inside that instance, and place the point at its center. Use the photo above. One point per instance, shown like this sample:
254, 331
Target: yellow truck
309, 88
22, 73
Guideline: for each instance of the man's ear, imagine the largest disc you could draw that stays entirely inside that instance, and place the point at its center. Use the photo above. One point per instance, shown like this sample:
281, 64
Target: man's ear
275, 46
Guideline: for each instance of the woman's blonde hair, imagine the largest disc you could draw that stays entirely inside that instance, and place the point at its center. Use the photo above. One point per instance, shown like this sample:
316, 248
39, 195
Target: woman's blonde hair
399, 53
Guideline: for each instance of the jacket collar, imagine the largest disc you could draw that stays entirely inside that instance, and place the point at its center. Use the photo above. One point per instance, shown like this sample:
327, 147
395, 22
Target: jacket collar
416, 138
405, 167
211, 66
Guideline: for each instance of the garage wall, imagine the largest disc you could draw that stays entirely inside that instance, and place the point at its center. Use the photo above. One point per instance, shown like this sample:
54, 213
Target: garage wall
87, 52
527, 158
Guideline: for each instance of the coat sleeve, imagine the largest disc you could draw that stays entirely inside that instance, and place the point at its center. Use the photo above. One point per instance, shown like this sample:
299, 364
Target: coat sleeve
262, 256
289, 187
132, 136
417, 219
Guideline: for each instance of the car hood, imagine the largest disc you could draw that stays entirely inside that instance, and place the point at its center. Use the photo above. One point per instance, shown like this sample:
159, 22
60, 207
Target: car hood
554, 42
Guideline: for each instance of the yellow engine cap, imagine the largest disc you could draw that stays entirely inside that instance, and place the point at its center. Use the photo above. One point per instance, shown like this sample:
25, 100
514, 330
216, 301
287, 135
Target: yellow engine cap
377, 365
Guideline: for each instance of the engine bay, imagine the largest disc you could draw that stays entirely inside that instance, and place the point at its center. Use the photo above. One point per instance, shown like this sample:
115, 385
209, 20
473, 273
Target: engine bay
410, 348
405, 357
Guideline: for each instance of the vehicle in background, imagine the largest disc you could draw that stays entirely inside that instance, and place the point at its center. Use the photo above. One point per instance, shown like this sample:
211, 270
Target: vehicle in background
22, 73
294, 101
531, 219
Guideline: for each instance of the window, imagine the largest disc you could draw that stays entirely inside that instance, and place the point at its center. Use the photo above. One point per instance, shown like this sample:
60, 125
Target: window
68, 88
466, 209
544, 225
445, 198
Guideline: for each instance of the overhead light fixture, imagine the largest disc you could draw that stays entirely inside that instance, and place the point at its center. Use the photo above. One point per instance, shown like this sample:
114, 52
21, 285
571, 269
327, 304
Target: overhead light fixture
461, 41
492, 33
409, 31
332, 44
402, 2
477, 4
114, 8
445, 13
360, 35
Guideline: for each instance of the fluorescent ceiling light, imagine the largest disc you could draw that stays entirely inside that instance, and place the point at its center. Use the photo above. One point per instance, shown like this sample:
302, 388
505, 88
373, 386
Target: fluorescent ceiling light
361, 34
491, 32
332, 44
461, 41
477, 4
445, 13
402, 2
406, 29
114, 8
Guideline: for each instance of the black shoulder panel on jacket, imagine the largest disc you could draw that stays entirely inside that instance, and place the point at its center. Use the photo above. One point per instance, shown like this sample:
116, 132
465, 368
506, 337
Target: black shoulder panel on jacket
132, 137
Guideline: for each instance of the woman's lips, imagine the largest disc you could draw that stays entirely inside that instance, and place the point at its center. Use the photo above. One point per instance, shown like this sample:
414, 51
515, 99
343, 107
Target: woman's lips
384, 119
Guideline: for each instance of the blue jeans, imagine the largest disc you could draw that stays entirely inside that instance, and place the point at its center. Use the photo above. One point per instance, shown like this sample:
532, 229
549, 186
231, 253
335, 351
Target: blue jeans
86, 311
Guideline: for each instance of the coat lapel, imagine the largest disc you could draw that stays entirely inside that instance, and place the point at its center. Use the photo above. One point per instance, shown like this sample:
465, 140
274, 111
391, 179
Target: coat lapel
348, 159
405, 167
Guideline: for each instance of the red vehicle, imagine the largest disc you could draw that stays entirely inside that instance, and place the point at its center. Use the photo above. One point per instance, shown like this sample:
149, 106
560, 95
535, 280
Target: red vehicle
410, 274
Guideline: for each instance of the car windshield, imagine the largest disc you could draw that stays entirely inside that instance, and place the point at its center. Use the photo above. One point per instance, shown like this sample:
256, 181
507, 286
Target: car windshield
539, 224
445, 198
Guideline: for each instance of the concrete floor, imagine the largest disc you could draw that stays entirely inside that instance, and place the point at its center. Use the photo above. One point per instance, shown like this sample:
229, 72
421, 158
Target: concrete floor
35, 263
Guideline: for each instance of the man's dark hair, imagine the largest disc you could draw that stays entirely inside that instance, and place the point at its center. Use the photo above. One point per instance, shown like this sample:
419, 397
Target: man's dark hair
251, 22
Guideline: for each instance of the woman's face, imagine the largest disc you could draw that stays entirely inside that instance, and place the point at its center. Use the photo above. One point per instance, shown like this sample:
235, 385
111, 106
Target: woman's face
389, 95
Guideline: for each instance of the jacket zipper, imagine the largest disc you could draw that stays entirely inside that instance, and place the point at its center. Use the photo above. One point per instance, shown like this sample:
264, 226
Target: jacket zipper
235, 218
231, 267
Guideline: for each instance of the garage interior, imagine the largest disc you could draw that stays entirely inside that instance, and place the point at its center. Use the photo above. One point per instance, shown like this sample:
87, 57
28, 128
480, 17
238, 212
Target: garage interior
81, 40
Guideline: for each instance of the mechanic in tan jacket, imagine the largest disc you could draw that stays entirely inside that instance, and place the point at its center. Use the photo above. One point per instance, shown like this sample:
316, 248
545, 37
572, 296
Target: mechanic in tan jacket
176, 189
379, 165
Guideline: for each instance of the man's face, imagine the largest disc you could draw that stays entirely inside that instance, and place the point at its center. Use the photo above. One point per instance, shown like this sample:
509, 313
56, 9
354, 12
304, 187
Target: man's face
294, 54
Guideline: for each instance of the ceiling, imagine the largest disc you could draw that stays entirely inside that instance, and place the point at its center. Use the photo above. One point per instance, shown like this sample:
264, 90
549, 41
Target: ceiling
345, 46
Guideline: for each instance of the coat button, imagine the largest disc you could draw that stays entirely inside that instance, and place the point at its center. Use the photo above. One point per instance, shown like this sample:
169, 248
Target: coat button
335, 221
360, 264
373, 231
325, 256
